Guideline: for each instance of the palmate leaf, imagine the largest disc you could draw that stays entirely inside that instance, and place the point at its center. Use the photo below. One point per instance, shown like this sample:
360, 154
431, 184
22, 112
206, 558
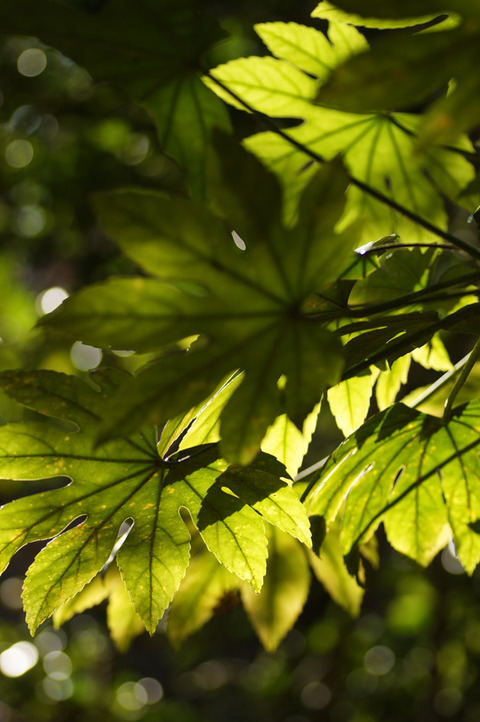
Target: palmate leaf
417, 474
247, 305
378, 149
126, 480
151, 49
424, 63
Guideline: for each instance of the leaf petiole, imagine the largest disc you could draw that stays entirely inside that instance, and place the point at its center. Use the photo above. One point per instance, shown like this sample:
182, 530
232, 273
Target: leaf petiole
469, 364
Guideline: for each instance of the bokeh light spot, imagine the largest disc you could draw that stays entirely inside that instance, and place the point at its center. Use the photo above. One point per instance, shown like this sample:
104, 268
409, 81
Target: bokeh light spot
315, 695
30, 220
18, 659
379, 660
31, 62
57, 689
57, 665
85, 357
50, 299
132, 696
11, 593
19, 153
153, 688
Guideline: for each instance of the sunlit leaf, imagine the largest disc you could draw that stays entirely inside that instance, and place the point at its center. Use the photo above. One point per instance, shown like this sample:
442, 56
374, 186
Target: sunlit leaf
275, 610
349, 402
415, 473
257, 289
329, 11
126, 480
329, 568
390, 382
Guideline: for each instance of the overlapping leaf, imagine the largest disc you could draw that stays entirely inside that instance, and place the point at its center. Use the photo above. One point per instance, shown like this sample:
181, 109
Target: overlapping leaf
151, 49
417, 474
247, 305
423, 63
275, 610
378, 148
126, 480
331, 12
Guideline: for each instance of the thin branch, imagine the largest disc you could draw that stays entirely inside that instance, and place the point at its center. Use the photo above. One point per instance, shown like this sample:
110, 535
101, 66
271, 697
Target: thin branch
433, 388
406, 342
425, 295
373, 192
470, 363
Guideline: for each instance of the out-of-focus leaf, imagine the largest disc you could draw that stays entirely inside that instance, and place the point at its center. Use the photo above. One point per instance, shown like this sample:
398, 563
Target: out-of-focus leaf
433, 355
329, 568
152, 50
415, 473
123, 621
205, 585
275, 610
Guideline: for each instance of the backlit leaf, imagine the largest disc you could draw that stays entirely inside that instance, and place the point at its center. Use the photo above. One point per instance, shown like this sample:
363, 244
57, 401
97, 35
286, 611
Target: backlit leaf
247, 306
329, 568
126, 480
415, 473
275, 610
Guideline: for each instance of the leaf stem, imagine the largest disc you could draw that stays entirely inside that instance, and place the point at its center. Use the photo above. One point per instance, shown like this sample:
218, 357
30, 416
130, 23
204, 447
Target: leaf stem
433, 388
373, 192
469, 364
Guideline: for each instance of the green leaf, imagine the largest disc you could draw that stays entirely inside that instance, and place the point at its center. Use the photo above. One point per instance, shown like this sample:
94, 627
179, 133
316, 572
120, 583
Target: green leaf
200, 594
275, 610
309, 49
287, 443
330, 12
414, 472
123, 621
379, 150
329, 568
125, 480
390, 382
247, 306
401, 272
92, 594
349, 402
152, 50
396, 9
